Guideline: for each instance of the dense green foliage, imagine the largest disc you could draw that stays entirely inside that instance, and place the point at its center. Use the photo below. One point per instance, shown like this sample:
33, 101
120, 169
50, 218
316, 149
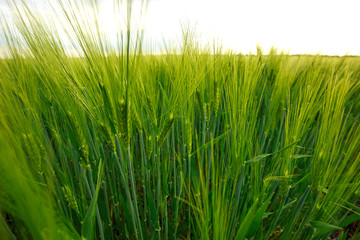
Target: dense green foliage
196, 145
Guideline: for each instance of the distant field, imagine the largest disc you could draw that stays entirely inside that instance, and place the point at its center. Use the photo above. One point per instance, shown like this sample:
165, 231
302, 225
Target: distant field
197, 145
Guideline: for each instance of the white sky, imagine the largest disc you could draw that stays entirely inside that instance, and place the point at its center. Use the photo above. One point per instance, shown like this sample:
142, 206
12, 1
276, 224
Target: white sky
299, 26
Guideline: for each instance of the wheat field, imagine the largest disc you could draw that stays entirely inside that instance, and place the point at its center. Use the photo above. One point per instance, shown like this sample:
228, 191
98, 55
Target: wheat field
193, 143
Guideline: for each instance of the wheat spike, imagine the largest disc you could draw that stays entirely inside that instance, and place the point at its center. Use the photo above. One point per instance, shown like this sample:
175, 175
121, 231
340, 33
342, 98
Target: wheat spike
216, 101
81, 143
166, 129
124, 123
149, 146
70, 198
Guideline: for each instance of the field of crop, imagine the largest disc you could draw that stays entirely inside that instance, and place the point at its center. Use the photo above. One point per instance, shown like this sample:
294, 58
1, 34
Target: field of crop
193, 144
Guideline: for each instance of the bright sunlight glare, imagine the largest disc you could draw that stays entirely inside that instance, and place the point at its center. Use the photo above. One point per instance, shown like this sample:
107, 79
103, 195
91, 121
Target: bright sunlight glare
326, 27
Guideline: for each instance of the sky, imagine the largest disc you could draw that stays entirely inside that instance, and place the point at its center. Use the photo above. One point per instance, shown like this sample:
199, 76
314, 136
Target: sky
296, 26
